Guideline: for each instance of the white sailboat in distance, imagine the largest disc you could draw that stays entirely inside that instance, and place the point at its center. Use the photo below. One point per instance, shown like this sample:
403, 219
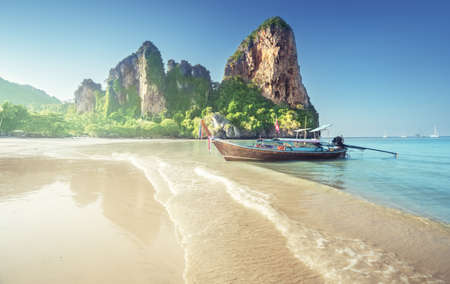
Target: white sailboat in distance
435, 134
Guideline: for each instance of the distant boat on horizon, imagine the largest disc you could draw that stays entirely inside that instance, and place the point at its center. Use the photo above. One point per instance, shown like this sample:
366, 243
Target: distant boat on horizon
435, 133
403, 136
384, 135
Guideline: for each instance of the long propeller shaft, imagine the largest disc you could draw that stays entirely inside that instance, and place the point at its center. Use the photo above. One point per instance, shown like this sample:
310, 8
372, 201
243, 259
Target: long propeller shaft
372, 149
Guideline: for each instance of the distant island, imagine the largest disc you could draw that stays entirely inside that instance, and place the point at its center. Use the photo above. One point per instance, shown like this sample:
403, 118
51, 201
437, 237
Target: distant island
261, 83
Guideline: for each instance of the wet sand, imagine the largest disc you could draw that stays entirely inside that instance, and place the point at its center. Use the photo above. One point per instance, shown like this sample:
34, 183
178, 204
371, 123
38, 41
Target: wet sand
419, 246
75, 221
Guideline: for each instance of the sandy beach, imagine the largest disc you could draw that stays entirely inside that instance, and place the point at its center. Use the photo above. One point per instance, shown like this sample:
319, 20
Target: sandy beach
75, 221
167, 211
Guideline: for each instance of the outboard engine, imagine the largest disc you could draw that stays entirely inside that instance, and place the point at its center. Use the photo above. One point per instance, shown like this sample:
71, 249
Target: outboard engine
338, 141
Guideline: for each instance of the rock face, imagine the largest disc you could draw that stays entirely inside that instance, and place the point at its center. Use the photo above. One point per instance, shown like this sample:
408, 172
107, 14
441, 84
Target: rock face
170, 65
86, 95
268, 58
198, 71
139, 86
223, 128
141, 73
186, 86
187, 70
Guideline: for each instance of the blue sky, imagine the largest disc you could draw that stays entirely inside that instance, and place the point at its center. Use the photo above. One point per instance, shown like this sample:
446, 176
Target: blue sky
368, 66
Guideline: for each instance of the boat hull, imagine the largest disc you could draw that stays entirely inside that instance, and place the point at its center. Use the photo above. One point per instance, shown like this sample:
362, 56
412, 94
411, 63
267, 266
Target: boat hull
234, 152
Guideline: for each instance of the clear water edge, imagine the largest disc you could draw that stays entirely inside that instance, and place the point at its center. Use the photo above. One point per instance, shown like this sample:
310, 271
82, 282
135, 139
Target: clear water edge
418, 182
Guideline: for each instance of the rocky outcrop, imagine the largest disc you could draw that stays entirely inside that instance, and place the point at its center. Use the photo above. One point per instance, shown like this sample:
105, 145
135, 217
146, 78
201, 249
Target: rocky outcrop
86, 96
198, 71
138, 80
187, 70
268, 58
171, 64
186, 86
139, 86
223, 128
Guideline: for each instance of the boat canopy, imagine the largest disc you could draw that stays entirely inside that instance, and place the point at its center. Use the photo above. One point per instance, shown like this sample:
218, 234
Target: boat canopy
320, 128
308, 140
301, 130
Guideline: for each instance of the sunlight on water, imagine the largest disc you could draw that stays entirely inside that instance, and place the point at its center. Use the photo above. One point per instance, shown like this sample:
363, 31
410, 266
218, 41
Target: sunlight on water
417, 182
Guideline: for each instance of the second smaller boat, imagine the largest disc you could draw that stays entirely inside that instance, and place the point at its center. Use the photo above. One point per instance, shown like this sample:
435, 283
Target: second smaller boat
435, 133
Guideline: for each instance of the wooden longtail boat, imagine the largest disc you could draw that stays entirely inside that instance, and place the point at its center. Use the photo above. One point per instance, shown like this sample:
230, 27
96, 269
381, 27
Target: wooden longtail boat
281, 151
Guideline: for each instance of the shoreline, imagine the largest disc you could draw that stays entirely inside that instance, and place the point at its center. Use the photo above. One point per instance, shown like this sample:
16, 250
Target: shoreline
412, 244
361, 197
106, 141
383, 227
379, 203
336, 190
405, 223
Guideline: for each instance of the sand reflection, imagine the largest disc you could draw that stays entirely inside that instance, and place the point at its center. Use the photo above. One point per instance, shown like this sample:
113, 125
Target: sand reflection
129, 205
81, 221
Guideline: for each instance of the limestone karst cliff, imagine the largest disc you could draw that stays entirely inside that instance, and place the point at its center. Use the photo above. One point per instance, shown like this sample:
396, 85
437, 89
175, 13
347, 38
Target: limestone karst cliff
268, 58
187, 86
138, 86
87, 95
137, 83
187, 70
262, 83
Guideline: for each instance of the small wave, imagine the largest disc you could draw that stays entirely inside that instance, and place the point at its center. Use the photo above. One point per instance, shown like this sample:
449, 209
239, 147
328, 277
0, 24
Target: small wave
337, 259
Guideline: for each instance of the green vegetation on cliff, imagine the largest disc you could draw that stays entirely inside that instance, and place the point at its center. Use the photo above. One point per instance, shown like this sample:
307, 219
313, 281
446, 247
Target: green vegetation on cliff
100, 101
182, 93
248, 41
154, 67
245, 107
130, 108
272, 22
111, 101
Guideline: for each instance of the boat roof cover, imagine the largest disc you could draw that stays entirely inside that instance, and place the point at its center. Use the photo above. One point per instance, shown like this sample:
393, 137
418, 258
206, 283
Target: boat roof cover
320, 128
302, 129
300, 140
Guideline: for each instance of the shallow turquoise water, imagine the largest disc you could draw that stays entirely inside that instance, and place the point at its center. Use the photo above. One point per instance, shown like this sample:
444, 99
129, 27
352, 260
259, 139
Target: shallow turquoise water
417, 182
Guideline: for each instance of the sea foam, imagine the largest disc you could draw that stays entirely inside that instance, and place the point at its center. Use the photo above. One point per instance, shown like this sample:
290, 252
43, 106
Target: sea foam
336, 259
